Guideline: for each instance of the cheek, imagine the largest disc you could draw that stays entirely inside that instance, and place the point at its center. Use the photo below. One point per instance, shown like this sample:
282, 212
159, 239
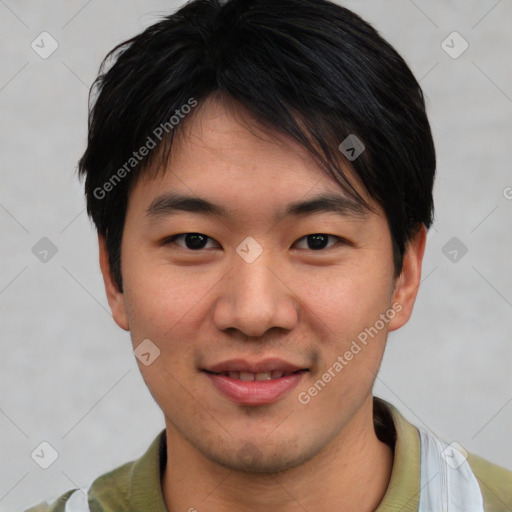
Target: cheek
161, 299
355, 314
352, 300
351, 358
164, 307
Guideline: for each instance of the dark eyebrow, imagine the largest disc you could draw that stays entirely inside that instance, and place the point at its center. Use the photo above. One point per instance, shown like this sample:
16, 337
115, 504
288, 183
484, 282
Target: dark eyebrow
327, 203
167, 204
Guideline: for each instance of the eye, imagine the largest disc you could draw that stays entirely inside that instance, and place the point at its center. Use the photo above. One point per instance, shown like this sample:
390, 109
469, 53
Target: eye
318, 241
198, 241
193, 241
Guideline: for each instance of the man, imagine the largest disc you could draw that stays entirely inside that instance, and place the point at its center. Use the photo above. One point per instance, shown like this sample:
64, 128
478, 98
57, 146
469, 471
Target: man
260, 174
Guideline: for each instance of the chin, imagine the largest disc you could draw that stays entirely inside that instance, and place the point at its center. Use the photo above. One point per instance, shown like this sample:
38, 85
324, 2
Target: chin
263, 457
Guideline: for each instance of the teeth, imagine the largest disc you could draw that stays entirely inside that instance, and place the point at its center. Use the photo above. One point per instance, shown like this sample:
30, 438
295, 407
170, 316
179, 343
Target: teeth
261, 376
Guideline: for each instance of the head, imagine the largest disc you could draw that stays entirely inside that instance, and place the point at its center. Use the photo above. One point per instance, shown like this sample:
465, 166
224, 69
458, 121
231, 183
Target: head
248, 113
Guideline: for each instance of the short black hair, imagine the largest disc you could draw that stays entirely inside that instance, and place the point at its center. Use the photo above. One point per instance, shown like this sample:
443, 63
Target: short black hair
310, 69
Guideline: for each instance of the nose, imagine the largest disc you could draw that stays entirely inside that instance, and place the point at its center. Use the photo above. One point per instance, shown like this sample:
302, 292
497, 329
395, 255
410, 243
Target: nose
256, 297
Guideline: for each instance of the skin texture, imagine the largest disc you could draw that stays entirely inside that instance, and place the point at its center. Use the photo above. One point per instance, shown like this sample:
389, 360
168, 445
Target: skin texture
306, 306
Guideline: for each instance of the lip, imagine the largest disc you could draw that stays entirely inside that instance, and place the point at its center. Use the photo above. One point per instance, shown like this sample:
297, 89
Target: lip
255, 392
242, 365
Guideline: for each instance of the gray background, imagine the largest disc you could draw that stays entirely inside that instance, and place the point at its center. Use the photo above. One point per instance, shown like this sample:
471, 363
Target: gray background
67, 372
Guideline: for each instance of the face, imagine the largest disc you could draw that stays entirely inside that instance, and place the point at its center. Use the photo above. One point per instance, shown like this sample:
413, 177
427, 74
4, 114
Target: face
270, 324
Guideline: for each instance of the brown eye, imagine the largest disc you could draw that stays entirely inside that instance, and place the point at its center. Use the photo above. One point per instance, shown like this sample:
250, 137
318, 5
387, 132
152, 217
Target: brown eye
192, 241
318, 241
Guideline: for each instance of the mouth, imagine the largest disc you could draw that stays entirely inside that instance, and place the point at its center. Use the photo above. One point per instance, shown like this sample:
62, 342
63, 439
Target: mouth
269, 368
259, 383
260, 376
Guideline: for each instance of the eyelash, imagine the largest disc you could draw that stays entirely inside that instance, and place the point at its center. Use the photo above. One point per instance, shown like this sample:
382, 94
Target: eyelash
338, 239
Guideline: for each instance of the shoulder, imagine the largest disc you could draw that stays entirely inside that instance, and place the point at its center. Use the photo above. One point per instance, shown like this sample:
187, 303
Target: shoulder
56, 505
108, 492
495, 483
135, 484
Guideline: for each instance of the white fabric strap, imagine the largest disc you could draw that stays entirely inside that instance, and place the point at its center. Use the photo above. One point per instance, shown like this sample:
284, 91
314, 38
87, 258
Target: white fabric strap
78, 501
447, 483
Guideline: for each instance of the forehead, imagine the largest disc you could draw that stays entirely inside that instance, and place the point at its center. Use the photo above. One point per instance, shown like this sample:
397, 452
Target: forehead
225, 133
222, 154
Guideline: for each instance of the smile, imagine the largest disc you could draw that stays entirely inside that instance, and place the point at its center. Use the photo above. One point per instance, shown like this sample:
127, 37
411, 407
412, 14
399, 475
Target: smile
262, 388
261, 376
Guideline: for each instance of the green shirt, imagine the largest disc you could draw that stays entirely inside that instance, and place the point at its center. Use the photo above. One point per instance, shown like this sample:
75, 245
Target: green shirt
135, 486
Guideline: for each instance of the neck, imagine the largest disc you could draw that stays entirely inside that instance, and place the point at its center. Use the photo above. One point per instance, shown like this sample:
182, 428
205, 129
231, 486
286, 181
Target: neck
351, 473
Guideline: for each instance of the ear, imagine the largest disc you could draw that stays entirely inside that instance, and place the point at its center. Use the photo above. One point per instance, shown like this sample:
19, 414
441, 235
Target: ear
408, 282
114, 296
